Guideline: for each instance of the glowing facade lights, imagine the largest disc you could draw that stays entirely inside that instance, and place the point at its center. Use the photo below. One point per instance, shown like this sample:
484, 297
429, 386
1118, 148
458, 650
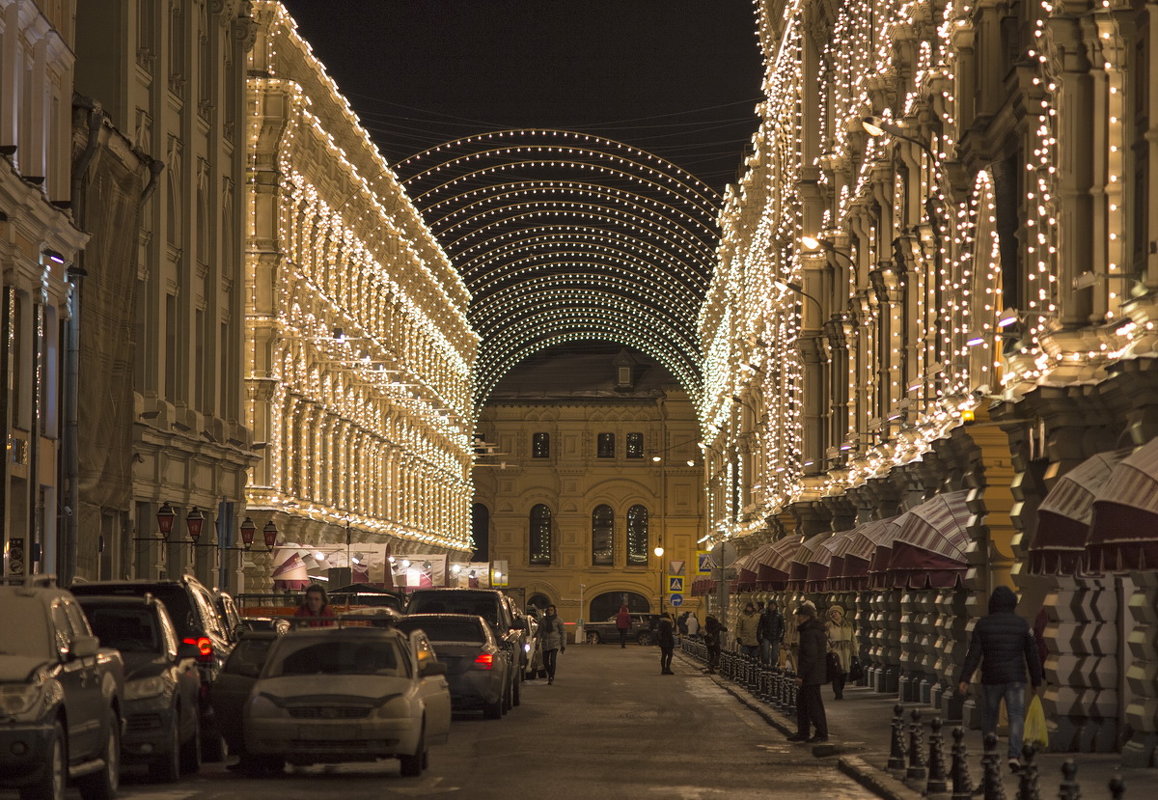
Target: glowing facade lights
564, 236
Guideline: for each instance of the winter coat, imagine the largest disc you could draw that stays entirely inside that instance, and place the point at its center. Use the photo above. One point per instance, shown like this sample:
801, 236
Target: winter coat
693, 624
552, 634
746, 625
712, 631
1003, 644
665, 634
771, 626
840, 636
623, 620
813, 644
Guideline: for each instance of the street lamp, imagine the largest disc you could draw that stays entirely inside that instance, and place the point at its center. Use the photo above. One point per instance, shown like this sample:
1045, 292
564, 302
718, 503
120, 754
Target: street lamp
165, 517
659, 557
269, 535
194, 522
789, 286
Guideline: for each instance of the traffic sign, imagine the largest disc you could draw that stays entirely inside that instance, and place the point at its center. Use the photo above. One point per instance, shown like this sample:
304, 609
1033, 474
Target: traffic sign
676, 599
675, 583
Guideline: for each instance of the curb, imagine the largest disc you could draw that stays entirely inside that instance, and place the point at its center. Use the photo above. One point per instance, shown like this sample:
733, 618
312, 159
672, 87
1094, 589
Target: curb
879, 783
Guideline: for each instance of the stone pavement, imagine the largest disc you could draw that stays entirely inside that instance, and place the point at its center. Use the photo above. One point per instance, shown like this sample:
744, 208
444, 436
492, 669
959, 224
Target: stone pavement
859, 737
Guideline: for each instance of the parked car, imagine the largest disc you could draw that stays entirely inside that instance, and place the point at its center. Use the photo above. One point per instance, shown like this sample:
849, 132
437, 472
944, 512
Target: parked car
491, 605
230, 690
642, 630
193, 610
61, 696
231, 620
477, 669
328, 695
162, 684
532, 648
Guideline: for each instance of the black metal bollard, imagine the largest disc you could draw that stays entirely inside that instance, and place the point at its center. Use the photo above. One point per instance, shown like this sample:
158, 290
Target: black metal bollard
991, 785
962, 783
1117, 787
1069, 789
916, 770
1027, 782
937, 783
897, 745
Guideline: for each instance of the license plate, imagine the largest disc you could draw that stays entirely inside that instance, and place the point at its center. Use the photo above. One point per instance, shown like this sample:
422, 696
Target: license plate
329, 732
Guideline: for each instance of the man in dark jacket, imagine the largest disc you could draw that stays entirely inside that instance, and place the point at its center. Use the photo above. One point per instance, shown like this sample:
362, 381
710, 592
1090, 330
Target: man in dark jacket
1005, 647
713, 630
665, 638
811, 674
771, 634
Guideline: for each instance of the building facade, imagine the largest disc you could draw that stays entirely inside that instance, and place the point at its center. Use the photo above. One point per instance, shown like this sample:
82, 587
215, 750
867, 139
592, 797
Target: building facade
937, 296
39, 242
590, 462
359, 355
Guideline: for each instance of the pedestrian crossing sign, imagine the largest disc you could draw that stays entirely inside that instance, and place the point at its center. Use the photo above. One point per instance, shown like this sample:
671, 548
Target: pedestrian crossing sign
675, 583
703, 562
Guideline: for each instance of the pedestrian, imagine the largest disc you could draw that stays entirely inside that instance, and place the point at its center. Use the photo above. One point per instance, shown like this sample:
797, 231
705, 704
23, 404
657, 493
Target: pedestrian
553, 636
810, 676
682, 623
713, 630
746, 632
315, 607
623, 624
693, 623
1004, 645
840, 644
771, 634
665, 637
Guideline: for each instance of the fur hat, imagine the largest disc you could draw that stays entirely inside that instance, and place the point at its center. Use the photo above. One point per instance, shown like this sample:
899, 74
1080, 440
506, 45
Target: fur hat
806, 609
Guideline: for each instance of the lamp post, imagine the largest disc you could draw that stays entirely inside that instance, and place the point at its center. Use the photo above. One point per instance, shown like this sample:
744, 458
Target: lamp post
165, 517
659, 557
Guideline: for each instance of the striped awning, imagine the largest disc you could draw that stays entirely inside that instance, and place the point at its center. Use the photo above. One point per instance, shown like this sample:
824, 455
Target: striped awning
798, 565
864, 539
775, 561
1124, 531
929, 547
820, 562
1064, 516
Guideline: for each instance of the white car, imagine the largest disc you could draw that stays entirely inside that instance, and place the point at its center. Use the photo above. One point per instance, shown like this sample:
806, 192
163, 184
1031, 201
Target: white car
333, 694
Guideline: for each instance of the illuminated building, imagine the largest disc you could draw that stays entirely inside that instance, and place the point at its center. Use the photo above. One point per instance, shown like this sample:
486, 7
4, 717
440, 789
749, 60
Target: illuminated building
358, 353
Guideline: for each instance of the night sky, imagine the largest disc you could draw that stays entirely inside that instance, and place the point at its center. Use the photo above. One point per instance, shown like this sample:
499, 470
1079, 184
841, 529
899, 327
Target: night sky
677, 77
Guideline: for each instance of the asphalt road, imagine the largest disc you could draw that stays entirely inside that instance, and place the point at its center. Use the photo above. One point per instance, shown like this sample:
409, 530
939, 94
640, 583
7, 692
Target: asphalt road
611, 727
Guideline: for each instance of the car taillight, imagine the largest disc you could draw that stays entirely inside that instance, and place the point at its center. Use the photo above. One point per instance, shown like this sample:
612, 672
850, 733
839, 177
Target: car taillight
484, 661
204, 648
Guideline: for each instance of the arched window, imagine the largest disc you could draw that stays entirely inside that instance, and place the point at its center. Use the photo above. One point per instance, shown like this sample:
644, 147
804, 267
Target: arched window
540, 534
637, 535
602, 533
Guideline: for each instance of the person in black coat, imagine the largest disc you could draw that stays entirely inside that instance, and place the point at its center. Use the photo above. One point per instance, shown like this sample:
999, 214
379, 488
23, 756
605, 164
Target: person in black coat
665, 637
771, 633
811, 674
1004, 645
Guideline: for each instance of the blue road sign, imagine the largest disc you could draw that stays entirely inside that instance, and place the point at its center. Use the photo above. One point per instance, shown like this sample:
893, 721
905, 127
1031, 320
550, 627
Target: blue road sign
676, 599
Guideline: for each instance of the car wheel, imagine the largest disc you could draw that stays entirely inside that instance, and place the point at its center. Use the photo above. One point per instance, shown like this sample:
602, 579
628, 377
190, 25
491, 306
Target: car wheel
493, 710
191, 750
412, 765
102, 785
593, 637
507, 697
166, 768
50, 785
646, 639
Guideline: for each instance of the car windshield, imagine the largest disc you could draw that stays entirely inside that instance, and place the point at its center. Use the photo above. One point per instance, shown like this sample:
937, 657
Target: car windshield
174, 597
24, 628
464, 631
128, 629
248, 657
331, 656
479, 603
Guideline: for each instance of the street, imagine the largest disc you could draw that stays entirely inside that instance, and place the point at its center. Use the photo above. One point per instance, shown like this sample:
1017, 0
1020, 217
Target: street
610, 727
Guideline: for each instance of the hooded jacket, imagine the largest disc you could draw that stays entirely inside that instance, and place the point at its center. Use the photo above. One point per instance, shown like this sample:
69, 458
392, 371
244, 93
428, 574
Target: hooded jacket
1002, 644
812, 644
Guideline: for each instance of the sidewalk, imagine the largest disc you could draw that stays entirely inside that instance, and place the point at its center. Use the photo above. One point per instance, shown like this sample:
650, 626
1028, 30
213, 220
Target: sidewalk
859, 737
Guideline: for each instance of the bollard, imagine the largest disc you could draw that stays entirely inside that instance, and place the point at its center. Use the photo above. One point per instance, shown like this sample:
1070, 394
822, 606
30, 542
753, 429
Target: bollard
936, 783
916, 770
1069, 789
1117, 787
897, 745
962, 783
991, 785
1027, 783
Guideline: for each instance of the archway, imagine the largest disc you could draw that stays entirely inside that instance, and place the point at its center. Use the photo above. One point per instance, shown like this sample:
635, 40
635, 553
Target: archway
606, 605
539, 601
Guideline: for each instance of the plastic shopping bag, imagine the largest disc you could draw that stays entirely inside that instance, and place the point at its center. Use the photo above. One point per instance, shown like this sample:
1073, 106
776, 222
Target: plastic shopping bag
1035, 730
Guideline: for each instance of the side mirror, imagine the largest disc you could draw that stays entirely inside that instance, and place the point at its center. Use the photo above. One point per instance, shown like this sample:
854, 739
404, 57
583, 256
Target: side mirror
431, 668
84, 647
187, 650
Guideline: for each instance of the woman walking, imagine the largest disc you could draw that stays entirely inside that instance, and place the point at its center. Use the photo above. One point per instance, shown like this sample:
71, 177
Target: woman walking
840, 643
554, 638
623, 624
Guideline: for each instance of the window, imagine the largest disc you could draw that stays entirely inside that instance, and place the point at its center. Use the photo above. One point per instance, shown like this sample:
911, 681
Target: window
602, 533
540, 445
635, 445
637, 536
540, 534
605, 447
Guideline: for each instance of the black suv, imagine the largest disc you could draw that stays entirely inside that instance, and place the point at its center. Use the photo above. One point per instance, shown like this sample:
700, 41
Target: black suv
193, 609
490, 604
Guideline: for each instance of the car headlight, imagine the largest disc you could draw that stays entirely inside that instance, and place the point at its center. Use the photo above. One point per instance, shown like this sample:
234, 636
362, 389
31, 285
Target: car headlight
144, 687
265, 705
527, 647
29, 701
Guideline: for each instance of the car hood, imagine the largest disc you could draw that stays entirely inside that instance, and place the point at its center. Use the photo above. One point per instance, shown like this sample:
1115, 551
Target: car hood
15, 669
144, 665
334, 688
